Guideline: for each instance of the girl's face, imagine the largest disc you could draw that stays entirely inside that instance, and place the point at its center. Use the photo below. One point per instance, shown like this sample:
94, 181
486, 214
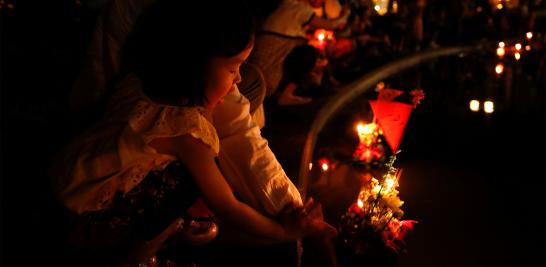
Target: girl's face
222, 74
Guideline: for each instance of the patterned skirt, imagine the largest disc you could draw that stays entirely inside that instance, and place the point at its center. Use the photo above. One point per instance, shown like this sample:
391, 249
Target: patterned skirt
102, 238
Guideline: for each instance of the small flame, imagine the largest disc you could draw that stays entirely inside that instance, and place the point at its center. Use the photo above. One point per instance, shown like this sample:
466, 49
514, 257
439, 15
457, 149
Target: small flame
499, 68
360, 203
324, 166
500, 51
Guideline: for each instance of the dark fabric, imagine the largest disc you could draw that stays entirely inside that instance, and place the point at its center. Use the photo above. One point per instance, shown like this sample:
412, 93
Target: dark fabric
100, 238
252, 85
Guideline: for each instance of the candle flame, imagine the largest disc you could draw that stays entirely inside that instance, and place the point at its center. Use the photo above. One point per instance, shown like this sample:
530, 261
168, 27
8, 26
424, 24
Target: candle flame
360, 203
500, 51
499, 68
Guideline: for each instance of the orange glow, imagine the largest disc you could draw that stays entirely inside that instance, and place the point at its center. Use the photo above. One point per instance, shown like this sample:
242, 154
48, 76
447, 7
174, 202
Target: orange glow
360, 203
499, 68
500, 51
325, 166
527, 48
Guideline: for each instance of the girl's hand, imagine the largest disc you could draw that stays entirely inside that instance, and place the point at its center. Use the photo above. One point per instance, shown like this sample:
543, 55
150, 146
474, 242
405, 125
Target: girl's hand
301, 221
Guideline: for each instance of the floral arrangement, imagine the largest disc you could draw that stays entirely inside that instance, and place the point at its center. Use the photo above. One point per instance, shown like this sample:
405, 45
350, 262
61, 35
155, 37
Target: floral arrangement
375, 219
371, 150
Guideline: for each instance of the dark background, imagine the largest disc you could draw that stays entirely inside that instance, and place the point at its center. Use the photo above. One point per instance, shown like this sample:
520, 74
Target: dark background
479, 197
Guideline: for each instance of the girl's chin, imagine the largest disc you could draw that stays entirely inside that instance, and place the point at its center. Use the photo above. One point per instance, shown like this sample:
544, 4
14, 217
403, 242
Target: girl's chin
219, 102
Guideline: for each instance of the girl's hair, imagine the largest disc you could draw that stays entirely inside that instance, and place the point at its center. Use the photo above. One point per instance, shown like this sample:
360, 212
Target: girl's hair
169, 49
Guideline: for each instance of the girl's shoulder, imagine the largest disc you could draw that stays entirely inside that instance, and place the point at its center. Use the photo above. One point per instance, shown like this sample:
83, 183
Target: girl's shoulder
152, 121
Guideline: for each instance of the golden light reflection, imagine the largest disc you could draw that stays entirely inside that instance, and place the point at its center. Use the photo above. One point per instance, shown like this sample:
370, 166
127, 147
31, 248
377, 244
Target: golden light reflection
395, 7
499, 68
500, 51
488, 106
474, 105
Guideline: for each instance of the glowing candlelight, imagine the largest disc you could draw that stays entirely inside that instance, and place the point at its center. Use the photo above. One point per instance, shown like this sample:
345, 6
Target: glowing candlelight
499, 68
488, 106
474, 105
529, 35
518, 46
527, 48
517, 56
324, 166
366, 133
500, 51
501, 44
394, 7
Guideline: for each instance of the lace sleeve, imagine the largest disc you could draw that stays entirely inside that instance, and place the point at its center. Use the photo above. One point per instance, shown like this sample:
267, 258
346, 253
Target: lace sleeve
158, 121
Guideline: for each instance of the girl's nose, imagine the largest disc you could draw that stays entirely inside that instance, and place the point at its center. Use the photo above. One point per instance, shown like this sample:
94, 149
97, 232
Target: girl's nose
239, 78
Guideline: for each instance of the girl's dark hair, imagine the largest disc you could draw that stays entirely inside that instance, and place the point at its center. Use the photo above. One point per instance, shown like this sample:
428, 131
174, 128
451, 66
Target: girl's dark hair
169, 48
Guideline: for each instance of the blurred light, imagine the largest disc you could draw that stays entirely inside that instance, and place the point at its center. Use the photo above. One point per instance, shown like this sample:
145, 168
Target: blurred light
381, 6
479, 9
380, 85
500, 51
324, 166
395, 7
488, 106
360, 203
474, 105
528, 48
311, 166
499, 68
501, 44
499, 6
364, 129
518, 46
517, 56
321, 36
529, 35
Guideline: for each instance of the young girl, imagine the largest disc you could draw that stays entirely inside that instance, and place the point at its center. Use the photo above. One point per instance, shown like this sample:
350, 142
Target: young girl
138, 169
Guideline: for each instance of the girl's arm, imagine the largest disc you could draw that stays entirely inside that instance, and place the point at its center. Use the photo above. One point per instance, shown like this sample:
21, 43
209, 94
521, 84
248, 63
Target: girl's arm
216, 192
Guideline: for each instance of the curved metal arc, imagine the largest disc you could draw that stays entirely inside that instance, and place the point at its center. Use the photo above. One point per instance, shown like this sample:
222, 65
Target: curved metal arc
356, 88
